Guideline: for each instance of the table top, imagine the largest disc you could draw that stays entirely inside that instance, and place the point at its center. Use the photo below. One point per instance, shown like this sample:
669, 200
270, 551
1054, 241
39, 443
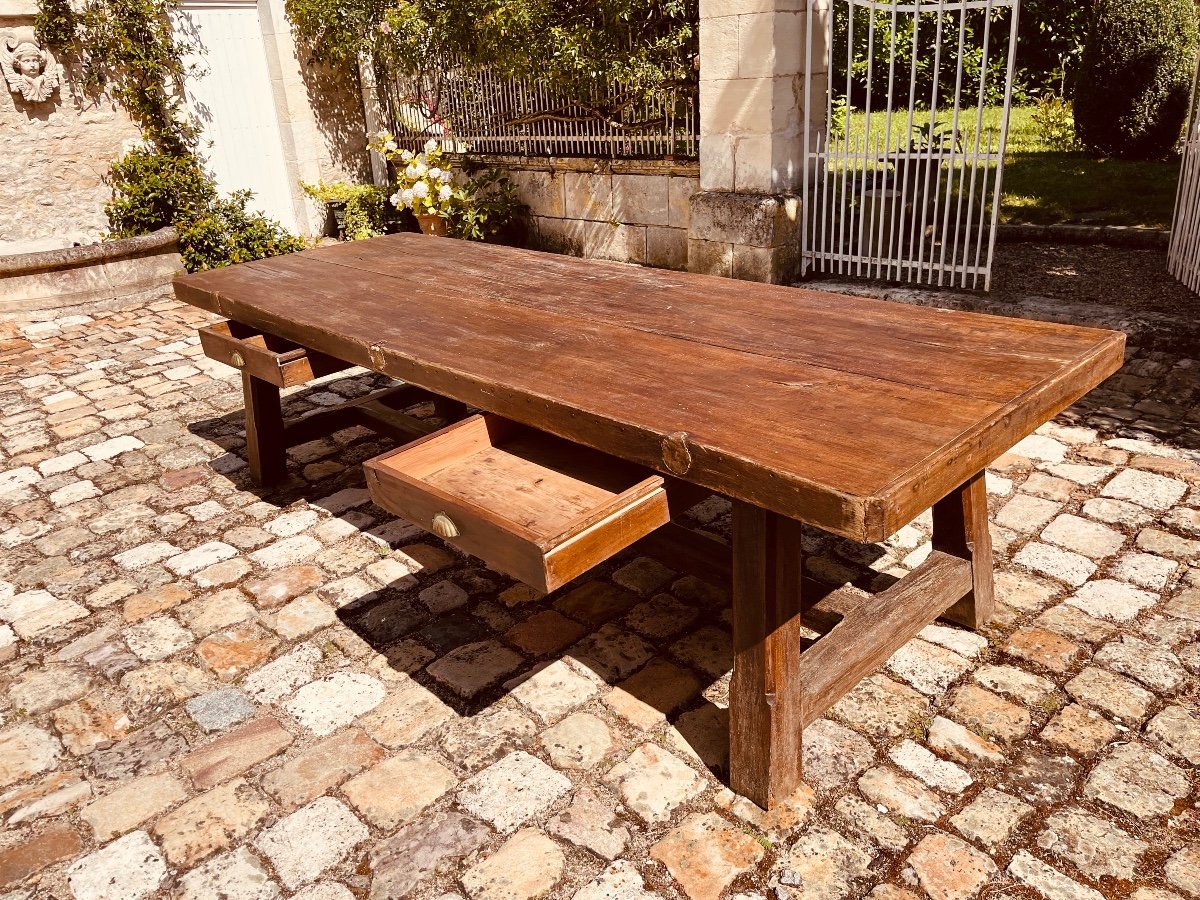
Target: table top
851, 414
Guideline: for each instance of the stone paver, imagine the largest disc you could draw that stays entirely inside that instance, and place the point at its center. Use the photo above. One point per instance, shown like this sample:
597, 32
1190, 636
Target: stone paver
1138, 781
207, 690
1098, 848
212, 821
398, 789
528, 865
991, 818
513, 790
705, 854
238, 875
948, 868
336, 700
127, 869
305, 844
417, 851
824, 863
1048, 881
652, 782
1183, 870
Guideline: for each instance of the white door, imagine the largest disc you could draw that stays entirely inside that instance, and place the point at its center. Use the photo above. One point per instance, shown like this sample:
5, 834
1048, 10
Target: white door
231, 97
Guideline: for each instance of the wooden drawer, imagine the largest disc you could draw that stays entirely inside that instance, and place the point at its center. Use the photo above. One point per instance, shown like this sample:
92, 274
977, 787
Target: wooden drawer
265, 356
531, 505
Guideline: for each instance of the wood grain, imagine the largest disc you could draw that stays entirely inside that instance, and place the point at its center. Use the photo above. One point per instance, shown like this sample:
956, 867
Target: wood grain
526, 503
266, 357
960, 527
767, 690
853, 415
876, 628
266, 448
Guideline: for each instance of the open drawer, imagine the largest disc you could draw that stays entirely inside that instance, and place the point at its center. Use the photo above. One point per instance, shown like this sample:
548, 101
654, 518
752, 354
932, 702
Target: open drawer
265, 356
531, 505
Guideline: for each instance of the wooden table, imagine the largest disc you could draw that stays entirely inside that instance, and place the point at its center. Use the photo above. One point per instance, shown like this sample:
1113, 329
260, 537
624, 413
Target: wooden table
849, 414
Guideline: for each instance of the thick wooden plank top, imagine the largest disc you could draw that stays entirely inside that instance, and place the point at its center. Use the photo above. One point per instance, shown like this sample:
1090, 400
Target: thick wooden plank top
851, 414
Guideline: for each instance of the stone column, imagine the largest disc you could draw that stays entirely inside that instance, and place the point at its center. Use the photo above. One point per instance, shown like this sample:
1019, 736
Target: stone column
745, 222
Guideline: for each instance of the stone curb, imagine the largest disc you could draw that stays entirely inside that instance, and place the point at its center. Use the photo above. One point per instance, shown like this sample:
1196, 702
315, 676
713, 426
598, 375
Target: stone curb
101, 251
1114, 235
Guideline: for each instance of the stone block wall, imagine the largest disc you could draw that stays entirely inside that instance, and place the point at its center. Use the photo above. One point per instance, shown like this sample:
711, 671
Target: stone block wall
625, 210
52, 160
53, 155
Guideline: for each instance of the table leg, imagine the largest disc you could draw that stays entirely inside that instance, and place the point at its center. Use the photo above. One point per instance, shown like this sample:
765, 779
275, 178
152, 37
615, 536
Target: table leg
765, 694
266, 449
960, 528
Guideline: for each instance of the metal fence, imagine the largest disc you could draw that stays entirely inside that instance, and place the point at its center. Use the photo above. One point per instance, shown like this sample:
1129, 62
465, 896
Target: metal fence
1183, 259
482, 111
904, 178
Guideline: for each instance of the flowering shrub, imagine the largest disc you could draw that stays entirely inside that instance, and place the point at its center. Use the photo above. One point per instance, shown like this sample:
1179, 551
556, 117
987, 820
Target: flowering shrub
425, 183
482, 208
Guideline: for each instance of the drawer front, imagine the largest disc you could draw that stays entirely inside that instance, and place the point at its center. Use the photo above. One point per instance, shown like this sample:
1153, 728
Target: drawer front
531, 505
267, 358
500, 547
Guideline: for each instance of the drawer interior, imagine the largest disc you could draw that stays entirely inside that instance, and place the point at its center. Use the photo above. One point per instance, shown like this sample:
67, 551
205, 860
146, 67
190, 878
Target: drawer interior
265, 356
540, 483
254, 338
540, 508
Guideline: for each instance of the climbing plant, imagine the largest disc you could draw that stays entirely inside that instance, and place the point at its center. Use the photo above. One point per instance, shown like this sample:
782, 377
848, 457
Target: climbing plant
128, 50
648, 45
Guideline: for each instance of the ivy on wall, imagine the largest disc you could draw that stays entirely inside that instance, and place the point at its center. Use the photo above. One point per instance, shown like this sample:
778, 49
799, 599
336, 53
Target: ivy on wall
128, 50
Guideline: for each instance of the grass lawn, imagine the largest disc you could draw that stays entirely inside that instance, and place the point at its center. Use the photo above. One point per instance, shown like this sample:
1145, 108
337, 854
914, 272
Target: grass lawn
1044, 186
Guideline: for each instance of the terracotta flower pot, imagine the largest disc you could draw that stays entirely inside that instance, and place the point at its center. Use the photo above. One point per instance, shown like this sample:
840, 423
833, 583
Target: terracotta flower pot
432, 224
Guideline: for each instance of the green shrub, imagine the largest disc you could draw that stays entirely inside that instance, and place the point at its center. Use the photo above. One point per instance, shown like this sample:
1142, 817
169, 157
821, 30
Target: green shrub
153, 189
365, 205
1053, 122
1135, 80
491, 211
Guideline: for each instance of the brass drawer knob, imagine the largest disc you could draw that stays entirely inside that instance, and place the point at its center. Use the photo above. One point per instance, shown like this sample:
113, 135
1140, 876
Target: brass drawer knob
444, 527
237, 360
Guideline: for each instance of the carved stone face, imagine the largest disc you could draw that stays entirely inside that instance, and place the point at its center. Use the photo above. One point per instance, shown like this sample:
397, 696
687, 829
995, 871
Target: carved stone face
28, 63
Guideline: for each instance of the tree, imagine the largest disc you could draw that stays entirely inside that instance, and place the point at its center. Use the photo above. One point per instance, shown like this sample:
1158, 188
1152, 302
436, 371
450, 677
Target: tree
1135, 80
647, 44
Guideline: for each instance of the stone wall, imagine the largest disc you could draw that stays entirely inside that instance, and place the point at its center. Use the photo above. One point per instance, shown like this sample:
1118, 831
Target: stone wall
320, 114
626, 210
53, 155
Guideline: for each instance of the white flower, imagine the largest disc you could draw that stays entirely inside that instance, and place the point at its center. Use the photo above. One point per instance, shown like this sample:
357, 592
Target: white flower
446, 192
406, 155
395, 200
420, 190
407, 197
420, 169
446, 176
390, 146
411, 171
431, 145
435, 173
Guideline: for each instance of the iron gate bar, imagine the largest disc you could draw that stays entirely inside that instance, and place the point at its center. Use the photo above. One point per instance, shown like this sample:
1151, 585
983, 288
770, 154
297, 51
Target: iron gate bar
1183, 257
882, 205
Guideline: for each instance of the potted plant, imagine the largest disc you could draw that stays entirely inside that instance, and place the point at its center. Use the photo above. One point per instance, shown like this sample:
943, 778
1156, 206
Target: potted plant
444, 200
358, 209
425, 183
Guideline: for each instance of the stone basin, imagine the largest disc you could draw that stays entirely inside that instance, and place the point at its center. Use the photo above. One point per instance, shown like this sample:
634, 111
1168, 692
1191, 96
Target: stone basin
89, 277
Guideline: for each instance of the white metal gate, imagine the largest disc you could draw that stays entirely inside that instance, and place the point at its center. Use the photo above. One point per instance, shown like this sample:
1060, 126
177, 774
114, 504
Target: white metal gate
904, 176
1183, 259
231, 95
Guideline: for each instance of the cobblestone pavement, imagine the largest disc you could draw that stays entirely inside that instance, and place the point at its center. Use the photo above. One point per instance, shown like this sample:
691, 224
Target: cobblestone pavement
207, 691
